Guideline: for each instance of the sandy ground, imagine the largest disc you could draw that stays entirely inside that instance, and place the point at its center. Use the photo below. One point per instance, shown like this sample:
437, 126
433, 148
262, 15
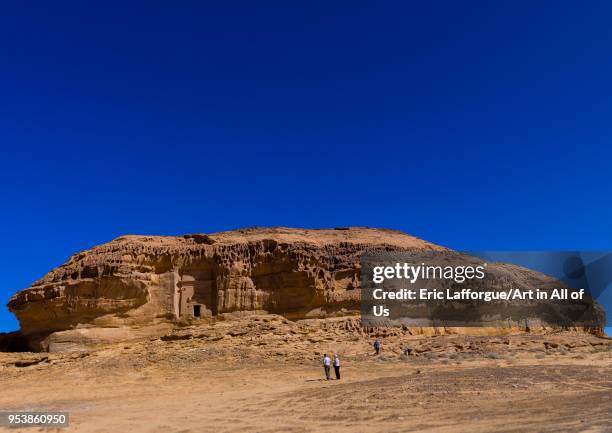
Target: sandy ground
259, 380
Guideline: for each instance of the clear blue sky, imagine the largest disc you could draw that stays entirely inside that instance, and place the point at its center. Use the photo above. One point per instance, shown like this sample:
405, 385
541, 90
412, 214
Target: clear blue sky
476, 125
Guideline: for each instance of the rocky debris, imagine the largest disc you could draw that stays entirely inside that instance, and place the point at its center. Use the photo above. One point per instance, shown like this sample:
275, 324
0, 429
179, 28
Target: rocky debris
174, 337
263, 338
30, 361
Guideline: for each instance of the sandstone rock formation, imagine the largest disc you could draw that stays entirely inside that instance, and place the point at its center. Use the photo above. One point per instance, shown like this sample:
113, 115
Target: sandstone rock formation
116, 290
138, 280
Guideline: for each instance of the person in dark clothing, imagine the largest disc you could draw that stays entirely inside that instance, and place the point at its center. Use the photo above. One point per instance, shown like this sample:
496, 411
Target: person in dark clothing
377, 346
326, 365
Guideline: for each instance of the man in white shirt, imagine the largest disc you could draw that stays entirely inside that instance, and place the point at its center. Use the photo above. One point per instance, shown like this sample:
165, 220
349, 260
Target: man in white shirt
337, 366
326, 365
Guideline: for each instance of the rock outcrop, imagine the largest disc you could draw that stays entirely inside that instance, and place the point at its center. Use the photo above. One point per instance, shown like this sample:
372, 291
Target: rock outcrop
145, 280
148, 281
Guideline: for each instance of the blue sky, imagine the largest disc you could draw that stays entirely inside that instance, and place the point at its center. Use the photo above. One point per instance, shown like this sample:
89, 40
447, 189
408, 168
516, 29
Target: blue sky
476, 125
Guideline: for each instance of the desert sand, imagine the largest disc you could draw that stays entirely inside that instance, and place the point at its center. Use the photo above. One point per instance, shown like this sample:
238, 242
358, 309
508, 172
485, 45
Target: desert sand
263, 373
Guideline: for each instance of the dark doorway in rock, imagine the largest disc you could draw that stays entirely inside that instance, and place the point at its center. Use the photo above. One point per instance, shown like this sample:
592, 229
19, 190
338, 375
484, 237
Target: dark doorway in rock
196, 311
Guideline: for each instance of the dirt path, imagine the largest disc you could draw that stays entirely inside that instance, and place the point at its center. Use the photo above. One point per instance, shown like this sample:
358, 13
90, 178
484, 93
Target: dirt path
264, 375
389, 396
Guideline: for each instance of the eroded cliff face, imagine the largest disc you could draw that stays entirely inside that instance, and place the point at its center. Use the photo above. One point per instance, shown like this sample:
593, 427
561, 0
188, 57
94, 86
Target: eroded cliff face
146, 280
137, 286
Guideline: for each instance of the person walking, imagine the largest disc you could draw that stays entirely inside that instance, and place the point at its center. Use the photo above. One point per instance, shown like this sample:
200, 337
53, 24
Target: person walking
377, 346
337, 366
326, 365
